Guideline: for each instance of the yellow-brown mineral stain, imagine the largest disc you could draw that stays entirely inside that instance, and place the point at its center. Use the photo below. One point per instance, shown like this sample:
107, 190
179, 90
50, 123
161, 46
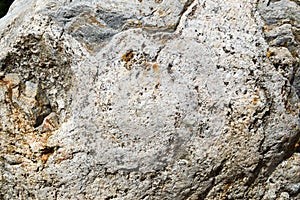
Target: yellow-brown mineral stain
128, 56
267, 28
297, 144
270, 53
295, 54
95, 21
155, 67
225, 190
162, 13
255, 100
45, 158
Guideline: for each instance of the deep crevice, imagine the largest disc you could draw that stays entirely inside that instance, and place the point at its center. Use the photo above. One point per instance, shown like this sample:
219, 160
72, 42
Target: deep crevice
4, 7
289, 151
185, 8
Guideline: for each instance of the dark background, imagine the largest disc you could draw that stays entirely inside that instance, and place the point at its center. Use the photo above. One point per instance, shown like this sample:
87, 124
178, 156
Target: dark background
4, 6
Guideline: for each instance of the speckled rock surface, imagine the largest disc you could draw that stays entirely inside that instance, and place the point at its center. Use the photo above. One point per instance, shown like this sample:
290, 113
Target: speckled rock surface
158, 99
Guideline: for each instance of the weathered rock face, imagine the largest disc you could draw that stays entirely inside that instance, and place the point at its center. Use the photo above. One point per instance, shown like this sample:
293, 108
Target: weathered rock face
158, 99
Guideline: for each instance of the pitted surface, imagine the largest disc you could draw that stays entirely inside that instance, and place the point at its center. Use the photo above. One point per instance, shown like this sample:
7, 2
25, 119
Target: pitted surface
150, 100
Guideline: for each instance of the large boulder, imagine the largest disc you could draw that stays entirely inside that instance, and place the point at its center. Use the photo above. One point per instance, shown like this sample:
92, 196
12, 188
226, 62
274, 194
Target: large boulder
157, 99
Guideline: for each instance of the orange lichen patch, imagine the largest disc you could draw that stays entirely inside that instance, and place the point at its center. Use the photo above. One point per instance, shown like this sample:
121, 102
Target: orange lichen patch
270, 53
255, 100
155, 67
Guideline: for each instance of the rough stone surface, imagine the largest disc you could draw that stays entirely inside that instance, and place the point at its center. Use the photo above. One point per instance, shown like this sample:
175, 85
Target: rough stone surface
157, 99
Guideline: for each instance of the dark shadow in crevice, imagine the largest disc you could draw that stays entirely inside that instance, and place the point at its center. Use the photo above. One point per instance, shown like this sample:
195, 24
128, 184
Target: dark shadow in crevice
4, 7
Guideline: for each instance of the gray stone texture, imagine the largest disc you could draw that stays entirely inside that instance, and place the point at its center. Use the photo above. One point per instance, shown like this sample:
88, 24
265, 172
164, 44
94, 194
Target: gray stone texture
150, 99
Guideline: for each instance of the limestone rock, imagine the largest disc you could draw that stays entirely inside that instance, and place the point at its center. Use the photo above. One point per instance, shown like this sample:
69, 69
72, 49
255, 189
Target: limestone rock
158, 99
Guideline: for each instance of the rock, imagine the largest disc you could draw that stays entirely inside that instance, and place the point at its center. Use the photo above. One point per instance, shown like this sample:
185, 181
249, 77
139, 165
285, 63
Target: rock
13, 79
150, 100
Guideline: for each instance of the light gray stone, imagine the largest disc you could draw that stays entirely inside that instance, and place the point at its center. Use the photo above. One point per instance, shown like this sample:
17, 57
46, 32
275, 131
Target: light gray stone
160, 99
